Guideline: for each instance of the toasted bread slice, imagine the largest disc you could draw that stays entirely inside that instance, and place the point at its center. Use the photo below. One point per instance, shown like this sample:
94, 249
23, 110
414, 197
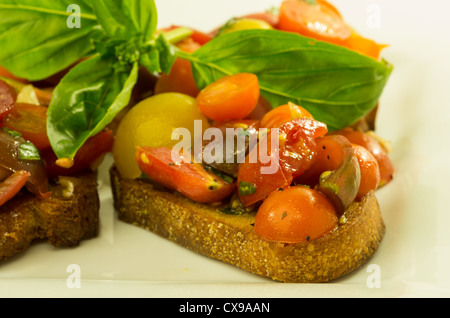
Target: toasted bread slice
68, 217
231, 238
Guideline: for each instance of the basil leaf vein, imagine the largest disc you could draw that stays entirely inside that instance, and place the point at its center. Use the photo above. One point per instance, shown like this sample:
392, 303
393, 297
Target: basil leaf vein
337, 85
36, 41
86, 101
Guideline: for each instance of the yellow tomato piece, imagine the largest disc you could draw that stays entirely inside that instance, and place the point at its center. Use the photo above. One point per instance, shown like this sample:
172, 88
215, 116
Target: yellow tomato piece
150, 124
246, 24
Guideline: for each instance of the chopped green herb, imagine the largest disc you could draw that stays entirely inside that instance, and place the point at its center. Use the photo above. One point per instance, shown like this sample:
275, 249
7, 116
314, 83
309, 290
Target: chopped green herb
213, 187
12, 132
246, 188
28, 151
225, 177
274, 10
226, 26
235, 207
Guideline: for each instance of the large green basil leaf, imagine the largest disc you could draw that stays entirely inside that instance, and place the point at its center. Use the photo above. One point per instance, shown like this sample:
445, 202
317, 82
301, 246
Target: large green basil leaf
86, 101
125, 19
35, 39
338, 86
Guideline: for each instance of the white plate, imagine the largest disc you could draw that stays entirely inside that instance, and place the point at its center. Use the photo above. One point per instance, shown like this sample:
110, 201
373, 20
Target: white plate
414, 261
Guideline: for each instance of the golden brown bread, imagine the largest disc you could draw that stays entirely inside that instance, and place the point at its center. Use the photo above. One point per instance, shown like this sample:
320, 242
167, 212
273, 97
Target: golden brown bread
230, 238
68, 217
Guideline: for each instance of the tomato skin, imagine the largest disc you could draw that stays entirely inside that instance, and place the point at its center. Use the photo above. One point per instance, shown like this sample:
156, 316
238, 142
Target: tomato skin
329, 157
283, 114
12, 185
5, 73
297, 148
93, 150
254, 172
370, 172
180, 80
264, 184
31, 122
386, 167
190, 179
365, 46
201, 37
232, 97
295, 215
318, 21
8, 98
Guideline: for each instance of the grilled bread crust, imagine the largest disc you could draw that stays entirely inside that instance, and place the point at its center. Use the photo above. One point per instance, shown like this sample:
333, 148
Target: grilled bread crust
231, 238
68, 217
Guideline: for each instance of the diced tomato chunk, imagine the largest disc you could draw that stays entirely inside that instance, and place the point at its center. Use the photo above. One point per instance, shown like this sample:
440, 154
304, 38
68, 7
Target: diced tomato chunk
187, 177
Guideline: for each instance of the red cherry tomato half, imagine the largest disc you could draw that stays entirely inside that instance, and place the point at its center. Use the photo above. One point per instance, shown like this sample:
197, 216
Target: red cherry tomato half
370, 172
89, 154
387, 169
295, 215
12, 185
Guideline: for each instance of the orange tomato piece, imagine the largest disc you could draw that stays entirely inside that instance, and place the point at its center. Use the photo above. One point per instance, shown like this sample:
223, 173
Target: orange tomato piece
232, 97
323, 22
283, 114
365, 46
295, 215
318, 21
5, 73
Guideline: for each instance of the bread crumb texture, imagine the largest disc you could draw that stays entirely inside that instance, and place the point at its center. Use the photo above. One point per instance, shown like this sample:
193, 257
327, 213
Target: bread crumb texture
231, 238
64, 221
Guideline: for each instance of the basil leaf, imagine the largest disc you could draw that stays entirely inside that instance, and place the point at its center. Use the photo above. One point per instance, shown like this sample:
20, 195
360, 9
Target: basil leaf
124, 19
12, 133
28, 151
337, 85
86, 101
36, 41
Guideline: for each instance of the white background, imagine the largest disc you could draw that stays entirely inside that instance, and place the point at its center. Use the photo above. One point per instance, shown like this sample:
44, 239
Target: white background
414, 257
